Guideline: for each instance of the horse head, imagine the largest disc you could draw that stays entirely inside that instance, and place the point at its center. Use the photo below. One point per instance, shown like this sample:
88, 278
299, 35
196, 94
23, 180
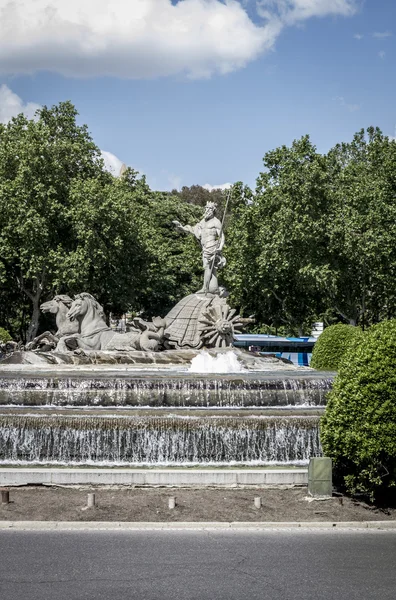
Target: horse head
52, 306
77, 308
85, 307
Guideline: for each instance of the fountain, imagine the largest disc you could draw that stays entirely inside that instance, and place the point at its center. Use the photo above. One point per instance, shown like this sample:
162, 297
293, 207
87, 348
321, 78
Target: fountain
172, 391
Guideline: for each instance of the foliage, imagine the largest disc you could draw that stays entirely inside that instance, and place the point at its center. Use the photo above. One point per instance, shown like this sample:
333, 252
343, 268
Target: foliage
358, 430
174, 269
313, 241
332, 345
107, 254
69, 226
4, 336
40, 160
361, 227
278, 239
199, 196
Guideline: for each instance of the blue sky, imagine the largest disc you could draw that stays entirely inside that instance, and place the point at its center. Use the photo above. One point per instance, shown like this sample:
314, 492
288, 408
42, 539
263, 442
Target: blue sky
202, 90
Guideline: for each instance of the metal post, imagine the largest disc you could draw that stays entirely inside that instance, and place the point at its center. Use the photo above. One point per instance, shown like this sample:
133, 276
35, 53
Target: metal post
5, 497
91, 501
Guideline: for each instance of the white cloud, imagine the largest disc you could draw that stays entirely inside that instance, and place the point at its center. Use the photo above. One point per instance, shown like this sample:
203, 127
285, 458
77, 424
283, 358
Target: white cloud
112, 163
128, 38
382, 54
12, 105
358, 36
351, 107
382, 34
293, 11
145, 38
221, 186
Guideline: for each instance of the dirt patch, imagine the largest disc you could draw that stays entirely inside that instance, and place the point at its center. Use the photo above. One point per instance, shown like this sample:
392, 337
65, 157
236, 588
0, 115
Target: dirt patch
148, 504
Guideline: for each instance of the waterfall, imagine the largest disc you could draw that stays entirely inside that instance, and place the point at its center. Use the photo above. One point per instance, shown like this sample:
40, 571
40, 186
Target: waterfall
158, 440
237, 390
74, 417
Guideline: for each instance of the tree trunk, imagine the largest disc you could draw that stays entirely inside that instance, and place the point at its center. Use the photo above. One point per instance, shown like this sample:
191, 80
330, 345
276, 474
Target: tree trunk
351, 320
34, 294
34, 322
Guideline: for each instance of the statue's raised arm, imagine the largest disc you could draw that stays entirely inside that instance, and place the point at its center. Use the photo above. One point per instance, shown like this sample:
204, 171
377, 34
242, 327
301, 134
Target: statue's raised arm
194, 229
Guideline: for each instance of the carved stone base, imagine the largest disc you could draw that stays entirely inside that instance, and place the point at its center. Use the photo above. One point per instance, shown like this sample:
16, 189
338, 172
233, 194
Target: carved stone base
249, 360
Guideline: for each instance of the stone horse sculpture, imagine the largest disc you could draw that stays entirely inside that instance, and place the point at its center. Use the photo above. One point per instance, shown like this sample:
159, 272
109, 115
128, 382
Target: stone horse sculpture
95, 334
59, 306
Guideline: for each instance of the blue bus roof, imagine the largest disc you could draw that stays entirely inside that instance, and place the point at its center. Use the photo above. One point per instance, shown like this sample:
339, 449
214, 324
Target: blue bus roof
259, 338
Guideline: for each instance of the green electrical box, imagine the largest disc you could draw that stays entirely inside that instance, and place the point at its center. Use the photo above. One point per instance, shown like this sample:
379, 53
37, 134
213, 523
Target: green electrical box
320, 481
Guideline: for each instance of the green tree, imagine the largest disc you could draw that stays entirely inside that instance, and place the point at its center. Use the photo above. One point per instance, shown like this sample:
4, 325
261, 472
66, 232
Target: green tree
70, 226
239, 249
39, 161
67, 225
106, 253
199, 196
175, 266
361, 228
278, 239
4, 336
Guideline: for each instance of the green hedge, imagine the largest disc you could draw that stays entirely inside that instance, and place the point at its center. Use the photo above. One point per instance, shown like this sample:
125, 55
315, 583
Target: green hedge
332, 345
4, 336
358, 430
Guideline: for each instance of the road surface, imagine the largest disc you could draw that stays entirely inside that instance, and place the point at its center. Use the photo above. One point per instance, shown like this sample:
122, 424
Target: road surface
201, 565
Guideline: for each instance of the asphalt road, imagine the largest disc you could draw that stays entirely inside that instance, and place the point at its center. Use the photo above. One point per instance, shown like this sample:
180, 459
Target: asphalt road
202, 565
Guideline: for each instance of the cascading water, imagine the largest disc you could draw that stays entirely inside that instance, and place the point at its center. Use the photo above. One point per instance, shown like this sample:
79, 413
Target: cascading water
75, 417
158, 440
234, 390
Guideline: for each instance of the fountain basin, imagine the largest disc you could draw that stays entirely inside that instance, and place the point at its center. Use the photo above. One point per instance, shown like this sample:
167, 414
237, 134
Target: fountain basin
163, 388
109, 415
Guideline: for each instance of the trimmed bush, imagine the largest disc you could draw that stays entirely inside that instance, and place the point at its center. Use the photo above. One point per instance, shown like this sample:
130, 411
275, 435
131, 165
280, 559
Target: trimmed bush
332, 345
4, 336
358, 430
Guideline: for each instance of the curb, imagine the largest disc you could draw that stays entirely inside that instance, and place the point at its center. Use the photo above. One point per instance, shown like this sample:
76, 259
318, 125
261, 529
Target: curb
201, 526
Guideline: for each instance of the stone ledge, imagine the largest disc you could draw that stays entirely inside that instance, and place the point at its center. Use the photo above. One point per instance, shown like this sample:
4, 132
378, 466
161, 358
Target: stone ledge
154, 477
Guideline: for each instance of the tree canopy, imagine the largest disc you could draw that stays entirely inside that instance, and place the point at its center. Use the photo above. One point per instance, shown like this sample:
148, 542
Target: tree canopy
316, 239
278, 238
67, 226
313, 240
361, 225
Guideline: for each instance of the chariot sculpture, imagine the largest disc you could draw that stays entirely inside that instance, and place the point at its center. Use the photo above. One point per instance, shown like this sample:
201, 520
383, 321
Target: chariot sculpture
202, 319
